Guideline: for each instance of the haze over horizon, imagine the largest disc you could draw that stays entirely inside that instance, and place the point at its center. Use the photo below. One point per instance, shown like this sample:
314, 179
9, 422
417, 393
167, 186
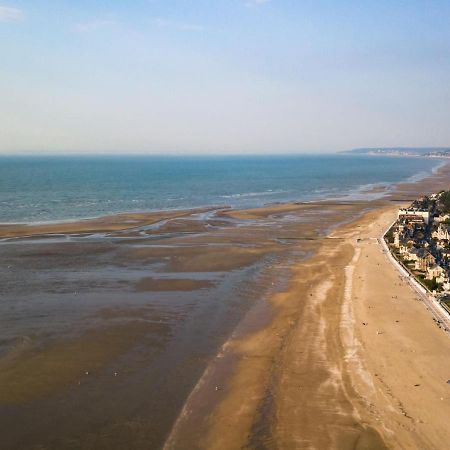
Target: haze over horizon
236, 76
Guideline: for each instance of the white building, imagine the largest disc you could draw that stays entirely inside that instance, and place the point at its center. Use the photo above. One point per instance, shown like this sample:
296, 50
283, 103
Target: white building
414, 214
437, 272
441, 218
442, 233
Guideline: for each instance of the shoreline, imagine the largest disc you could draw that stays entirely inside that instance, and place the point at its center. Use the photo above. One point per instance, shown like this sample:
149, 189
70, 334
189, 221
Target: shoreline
262, 403
101, 304
365, 192
122, 222
281, 365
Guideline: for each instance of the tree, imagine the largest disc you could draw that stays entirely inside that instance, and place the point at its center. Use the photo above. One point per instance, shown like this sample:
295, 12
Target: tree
432, 285
390, 236
444, 202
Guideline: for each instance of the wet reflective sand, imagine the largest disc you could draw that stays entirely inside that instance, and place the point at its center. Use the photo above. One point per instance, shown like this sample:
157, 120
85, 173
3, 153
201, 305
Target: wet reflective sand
107, 325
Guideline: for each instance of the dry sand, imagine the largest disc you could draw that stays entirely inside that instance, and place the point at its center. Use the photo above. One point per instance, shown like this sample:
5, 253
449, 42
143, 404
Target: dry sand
291, 387
401, 362
350, 360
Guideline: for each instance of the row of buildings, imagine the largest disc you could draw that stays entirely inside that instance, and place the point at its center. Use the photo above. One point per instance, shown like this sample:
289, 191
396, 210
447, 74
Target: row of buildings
420, 238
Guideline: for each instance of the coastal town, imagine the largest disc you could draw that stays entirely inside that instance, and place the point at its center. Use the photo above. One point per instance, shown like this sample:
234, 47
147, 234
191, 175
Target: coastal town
420, 241
441, 153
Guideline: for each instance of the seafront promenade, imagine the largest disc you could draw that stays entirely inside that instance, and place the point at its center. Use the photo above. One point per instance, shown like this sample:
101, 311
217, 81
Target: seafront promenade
418, 245
439, 314
400, 365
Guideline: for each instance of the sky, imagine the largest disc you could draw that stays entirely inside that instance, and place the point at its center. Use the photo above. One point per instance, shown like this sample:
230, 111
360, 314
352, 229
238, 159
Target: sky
223, 76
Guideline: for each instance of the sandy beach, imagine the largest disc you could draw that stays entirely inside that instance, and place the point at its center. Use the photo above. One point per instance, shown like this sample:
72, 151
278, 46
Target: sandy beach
397, 354
278, 327
350, 360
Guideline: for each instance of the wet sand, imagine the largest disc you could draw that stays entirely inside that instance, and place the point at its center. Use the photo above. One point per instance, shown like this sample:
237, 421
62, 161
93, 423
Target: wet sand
107, 325
289, 388
118, 222
333, 368
206, 329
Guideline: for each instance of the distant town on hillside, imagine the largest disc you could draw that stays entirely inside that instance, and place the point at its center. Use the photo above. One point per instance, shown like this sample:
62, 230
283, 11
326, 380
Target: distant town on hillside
424, 152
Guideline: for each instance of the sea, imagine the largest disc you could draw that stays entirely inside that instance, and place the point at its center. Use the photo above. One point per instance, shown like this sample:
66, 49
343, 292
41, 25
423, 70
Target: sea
58, 188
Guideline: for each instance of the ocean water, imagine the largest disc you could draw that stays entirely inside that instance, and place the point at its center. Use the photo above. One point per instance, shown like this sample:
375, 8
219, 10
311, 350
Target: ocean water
39, 189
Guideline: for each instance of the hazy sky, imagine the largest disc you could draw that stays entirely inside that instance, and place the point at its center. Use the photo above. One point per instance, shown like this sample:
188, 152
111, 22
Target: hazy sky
223, 75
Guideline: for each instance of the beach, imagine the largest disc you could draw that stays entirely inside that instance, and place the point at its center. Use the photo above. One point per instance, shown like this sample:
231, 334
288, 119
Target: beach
277, 327
351, 360
109, 323
405, 355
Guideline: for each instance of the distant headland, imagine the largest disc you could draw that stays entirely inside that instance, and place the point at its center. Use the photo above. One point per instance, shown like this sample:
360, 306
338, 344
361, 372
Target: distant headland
427, 152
